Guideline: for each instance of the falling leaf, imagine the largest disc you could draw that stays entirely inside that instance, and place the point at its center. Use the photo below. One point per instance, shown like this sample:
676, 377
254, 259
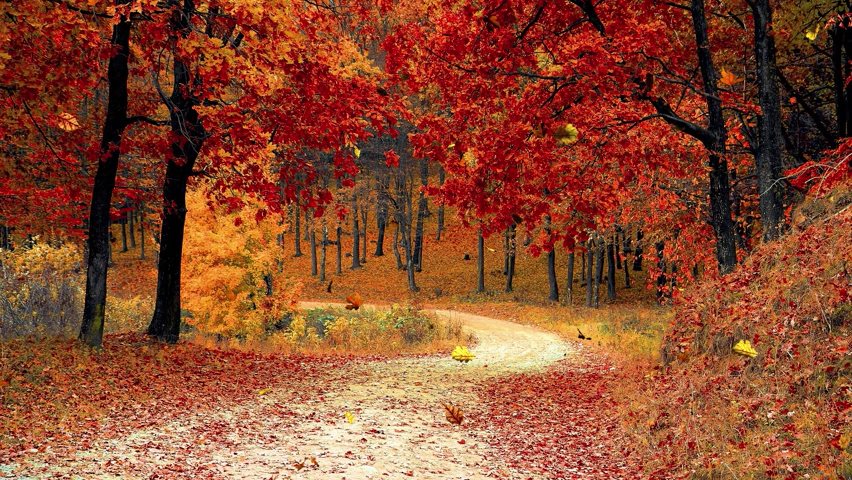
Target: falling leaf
349, 417
454, 414
566, 134
729, 79
354, 301
462, 354
743, 347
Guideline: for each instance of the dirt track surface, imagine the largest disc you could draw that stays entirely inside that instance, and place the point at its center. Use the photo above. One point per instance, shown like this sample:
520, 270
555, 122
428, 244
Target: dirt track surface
399, 428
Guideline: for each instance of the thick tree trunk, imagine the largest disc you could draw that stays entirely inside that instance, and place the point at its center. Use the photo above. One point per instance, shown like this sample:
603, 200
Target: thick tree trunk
297, 230
720, 188
769, 149
480, 262
512, 252
610, 274
188, 133
97, 263
569, 284
442, 176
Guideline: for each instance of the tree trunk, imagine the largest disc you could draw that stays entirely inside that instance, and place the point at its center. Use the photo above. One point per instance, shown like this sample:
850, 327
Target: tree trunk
381, 217
637, 259
617, 248
599, 264
569, 284
590, 289
661, 266
323, 252
512, 251
132, 227
339, 249
552, 282
442, 177
124, 235
189, 135
610, 274
769, 148
141, 232
312, 242
356, 235
421, 216
97, 263
297, 230
364, 219
399, 264
480, 262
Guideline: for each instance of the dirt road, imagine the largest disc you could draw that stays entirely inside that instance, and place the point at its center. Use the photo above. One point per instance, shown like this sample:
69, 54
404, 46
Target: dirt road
398, 430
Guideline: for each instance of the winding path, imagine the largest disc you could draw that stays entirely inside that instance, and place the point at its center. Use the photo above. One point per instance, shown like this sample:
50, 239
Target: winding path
399, 429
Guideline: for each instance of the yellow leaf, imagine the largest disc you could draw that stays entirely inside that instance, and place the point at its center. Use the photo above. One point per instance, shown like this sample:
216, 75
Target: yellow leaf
462, 354
729, 79
349, 417
357, 152
743, 347
566, 134
263, 391
812, 34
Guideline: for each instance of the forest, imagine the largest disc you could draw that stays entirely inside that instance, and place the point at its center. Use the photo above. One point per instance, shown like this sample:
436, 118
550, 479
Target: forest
438, 239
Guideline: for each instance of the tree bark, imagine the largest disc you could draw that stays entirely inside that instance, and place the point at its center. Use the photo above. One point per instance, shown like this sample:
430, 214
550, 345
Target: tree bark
189, 134
364, 219
381, 216
339, 245
769, 149
297, 230
131, 230
312, 242
97, 263
552, 282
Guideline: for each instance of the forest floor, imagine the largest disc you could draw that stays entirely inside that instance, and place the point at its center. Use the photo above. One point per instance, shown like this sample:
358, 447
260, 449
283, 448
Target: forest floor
535, 406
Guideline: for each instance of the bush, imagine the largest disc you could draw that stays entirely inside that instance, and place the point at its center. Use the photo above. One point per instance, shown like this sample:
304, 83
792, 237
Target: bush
42, 291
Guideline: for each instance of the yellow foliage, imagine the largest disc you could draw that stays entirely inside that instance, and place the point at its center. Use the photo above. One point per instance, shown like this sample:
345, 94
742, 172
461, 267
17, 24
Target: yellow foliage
462, 354
743, 347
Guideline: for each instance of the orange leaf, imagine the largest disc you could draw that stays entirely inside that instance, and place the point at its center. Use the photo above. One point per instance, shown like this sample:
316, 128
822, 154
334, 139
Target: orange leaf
454, 414
729, 79
354, 301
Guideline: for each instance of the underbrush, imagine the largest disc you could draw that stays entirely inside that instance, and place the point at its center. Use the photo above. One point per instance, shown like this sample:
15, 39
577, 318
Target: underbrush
711, 413
395, 330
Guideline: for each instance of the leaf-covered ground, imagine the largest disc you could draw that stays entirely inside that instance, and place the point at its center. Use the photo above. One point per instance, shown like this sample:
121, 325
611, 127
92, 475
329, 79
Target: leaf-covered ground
534, 405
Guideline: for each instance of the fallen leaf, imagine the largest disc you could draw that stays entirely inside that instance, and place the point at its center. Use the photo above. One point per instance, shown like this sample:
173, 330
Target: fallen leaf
454, 414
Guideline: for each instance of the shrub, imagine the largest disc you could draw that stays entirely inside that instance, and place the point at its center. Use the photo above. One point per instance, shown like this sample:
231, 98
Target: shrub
42, 290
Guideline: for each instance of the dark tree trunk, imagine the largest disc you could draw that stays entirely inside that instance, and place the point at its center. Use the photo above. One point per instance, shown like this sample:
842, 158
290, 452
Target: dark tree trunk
552, 282
841, 41
381, 217
637, 259
442, 176
617, 244
312, 243
297, 230
189, 134
480, 262
610, 274
97, 263
512, 252
124, 235
339, 245
569, 285
323, 252
141, 232
769, 149
364, 219
590, 288
421, 216
661, 266
131, 228
356, 235
599, 265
